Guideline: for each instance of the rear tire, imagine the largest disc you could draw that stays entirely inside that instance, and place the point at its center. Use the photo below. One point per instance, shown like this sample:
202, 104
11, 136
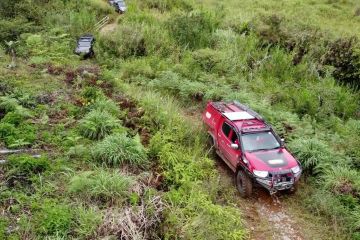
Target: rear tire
244, 184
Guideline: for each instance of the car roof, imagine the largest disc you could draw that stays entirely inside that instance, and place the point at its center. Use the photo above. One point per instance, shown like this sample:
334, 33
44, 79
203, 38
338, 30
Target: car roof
245, 119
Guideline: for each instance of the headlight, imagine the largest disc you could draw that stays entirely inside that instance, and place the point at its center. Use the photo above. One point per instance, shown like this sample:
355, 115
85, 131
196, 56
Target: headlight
262, 174
295, 169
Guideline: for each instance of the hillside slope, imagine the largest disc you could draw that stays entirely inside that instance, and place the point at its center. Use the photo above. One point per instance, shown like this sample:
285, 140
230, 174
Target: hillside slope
114, 146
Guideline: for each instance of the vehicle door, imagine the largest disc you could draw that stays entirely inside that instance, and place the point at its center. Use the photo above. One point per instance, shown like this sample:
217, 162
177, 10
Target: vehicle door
227, 136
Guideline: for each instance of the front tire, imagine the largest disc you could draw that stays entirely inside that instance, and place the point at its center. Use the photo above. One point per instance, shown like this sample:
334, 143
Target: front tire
244, 184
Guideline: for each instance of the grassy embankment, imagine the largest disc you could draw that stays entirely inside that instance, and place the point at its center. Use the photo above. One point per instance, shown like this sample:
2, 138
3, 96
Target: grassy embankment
89, 131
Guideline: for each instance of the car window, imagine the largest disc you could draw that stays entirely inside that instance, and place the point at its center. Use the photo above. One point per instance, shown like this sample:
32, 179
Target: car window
234, 138
226, 129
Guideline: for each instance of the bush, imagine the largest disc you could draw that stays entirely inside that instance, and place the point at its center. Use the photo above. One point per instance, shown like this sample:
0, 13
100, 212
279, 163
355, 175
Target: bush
86, 222
312, 153
100, 185
127, 41
192, 29
343, 55
98, 124
20, 136
53, 219
118, 149
106, 105
8, 104
27, 165
342, 180
92, 94
166, 5
194, 216
207, 59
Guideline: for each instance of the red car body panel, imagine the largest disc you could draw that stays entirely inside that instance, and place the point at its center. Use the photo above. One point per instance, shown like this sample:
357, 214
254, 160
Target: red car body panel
227, 123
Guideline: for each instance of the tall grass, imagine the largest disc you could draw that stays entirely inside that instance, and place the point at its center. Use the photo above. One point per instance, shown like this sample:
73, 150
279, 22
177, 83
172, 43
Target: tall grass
118, 149
100, 185
98, 124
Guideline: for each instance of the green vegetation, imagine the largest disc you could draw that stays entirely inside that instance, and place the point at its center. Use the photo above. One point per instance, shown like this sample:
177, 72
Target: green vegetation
100, 185
118, 149
116, 135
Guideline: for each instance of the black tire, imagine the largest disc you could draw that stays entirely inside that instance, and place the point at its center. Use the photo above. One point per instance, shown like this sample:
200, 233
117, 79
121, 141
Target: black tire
244, 184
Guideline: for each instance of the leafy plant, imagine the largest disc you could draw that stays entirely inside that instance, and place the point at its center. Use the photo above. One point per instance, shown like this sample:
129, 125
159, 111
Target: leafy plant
118, 149
342, 180
98, 124
86, 221
106, 105
192, 29
311, 153
27, 165
53, 219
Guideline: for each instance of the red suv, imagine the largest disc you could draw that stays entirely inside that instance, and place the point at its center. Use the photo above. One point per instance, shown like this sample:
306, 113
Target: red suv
251, 148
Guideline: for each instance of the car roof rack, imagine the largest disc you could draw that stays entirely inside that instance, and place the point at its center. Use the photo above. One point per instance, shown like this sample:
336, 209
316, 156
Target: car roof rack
249, 110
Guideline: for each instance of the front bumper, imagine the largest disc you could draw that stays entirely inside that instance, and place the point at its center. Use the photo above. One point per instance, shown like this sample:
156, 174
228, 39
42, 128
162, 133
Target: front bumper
279, 181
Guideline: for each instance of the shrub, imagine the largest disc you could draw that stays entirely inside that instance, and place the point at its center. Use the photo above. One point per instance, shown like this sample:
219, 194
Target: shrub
207, 58
27, 165
106, 105
192, 29
166, 5
3, 227
53, 219
92, 94
179, 164
342, 55
100, 185
98, 124
311, 153
119, 149
8, 104
14, 118
20, 136
193, 216
342, 180
127, 41
86, 222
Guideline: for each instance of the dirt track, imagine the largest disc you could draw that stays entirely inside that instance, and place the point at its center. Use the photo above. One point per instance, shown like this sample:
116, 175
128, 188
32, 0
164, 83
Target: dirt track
265, 216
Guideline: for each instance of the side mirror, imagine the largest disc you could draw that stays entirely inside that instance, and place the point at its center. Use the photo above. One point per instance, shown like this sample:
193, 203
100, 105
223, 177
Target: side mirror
234, 146
282, 142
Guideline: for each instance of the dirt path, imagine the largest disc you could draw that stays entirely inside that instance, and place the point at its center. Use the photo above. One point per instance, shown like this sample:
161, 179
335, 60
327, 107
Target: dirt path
265, 216
109, 28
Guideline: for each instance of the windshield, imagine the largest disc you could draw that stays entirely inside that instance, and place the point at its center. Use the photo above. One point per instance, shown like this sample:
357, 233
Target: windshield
259, 141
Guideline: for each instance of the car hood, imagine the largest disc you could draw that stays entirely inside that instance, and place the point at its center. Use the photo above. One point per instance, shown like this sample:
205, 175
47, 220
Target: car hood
271, 160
